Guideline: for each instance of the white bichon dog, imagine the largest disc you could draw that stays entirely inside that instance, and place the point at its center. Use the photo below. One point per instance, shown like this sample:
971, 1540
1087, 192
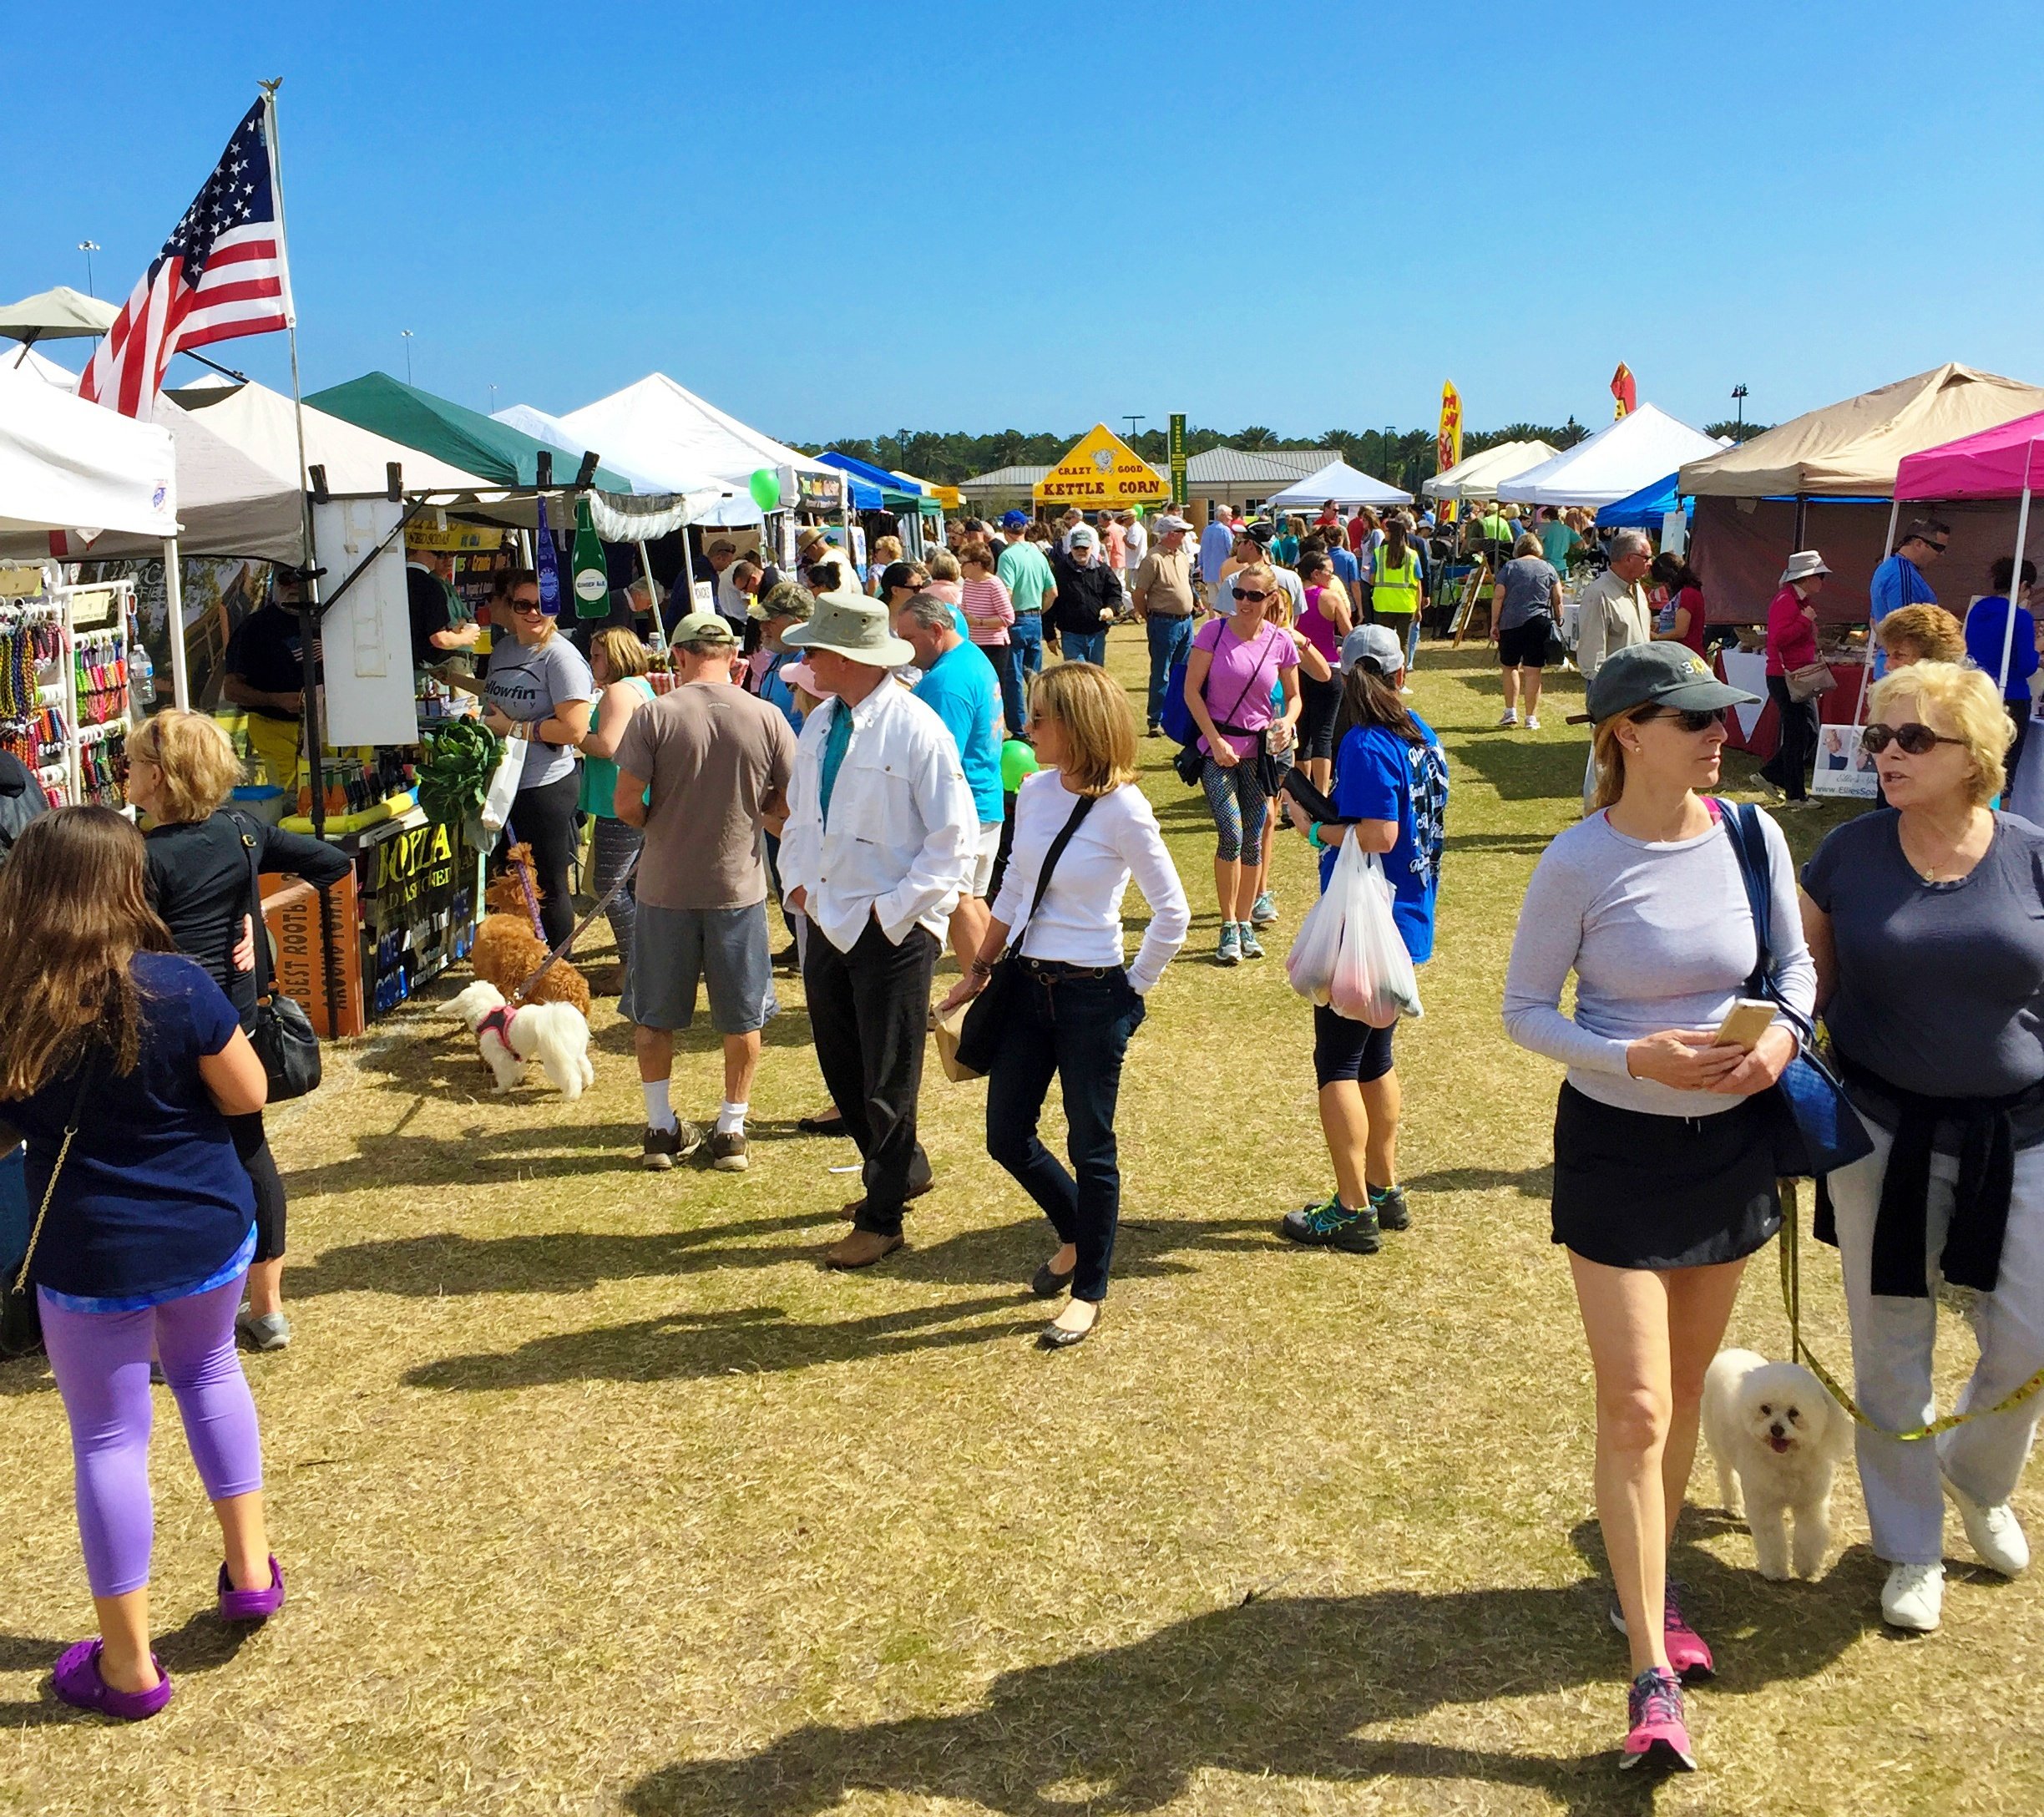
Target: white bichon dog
553, 1034
1777, 1437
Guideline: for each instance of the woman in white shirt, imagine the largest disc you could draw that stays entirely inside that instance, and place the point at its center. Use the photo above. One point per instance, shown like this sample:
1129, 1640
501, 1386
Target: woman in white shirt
1079, 1005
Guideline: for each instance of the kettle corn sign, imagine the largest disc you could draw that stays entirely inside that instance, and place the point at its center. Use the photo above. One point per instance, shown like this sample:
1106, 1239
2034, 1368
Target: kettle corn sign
1101, 470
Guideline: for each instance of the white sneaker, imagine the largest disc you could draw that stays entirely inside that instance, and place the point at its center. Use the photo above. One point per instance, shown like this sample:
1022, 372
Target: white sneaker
1405, 693
1914, 1597
1995, 1533
1532, 722
1507, 719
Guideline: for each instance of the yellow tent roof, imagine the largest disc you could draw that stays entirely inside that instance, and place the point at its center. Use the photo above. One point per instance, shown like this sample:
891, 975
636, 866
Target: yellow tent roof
1100, 470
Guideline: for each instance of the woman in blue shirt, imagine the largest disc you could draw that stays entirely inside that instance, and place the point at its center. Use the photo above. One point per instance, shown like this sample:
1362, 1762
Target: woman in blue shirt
120, 1062
1391, 795
1986, 629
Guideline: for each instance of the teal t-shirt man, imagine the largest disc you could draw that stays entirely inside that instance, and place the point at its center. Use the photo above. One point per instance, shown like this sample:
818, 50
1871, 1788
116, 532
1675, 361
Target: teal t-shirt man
1558, 542
959, 689
1026, 575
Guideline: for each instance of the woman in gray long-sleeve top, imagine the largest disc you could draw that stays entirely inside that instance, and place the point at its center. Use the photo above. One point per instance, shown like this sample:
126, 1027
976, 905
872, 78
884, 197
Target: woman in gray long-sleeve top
1664, 1140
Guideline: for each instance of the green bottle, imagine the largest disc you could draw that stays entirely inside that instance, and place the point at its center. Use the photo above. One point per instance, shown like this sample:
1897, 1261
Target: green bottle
592, 578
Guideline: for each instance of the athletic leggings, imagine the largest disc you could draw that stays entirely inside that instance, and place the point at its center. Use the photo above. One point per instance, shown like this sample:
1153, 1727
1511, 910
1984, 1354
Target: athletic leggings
544, 819
253, 1146
101, 1361
1239, 809
613, 845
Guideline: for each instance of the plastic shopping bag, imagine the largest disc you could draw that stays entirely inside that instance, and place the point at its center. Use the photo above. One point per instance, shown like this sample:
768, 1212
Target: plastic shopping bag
503, 791
1310, 964
1373, 980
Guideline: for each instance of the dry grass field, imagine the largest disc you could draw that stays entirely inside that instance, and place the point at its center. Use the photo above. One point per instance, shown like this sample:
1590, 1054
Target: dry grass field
596, 1495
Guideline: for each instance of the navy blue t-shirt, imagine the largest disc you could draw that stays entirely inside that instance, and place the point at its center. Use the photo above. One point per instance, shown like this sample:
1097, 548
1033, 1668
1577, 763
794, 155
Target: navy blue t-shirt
152, 1197
1379, 777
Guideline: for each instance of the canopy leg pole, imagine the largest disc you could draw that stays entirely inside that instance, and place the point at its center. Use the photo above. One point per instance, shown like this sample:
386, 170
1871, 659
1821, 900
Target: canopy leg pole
1866, 669
2015, 591
173, 612
660, 628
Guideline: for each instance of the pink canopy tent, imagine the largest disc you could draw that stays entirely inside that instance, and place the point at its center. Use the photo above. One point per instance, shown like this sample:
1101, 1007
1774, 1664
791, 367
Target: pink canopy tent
2005, 462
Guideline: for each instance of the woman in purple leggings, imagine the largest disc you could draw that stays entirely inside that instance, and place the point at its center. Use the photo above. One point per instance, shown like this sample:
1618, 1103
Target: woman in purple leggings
120, 1063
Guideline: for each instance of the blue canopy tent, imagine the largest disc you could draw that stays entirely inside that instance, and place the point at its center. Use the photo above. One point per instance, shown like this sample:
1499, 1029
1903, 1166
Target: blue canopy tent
873, 488
1643, 509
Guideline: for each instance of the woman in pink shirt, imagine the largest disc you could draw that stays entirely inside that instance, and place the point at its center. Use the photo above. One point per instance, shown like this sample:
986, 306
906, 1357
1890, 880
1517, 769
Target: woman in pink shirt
1324, 623
1792, 644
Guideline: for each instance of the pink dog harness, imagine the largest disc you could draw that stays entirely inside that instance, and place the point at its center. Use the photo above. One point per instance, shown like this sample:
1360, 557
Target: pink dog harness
497, 1022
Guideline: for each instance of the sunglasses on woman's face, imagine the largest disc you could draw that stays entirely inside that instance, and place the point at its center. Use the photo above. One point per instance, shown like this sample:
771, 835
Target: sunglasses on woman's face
1692, 719
1913, 740
1244, 593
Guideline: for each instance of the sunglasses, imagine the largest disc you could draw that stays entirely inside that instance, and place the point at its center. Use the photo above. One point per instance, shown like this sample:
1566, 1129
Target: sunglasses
1243, 593
1692, 719
1913, 740
527, 605
1936, 549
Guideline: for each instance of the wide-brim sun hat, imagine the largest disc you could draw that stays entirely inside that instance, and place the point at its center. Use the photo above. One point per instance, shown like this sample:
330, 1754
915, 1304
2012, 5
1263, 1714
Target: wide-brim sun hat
1804, 562
853, 626
1669, 675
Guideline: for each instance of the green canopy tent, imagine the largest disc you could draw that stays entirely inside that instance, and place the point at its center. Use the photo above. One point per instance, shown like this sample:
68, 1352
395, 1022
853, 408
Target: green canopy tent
464, 438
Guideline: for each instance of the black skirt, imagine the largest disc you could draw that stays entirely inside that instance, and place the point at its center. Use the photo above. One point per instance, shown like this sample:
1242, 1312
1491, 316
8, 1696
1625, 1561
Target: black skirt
1632, 1190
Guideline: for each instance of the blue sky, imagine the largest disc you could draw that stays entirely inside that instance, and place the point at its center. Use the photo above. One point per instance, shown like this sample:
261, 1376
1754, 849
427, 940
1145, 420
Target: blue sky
840, 220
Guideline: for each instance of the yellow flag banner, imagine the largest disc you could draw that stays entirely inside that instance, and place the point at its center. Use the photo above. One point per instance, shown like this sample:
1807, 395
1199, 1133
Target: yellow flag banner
1447, 440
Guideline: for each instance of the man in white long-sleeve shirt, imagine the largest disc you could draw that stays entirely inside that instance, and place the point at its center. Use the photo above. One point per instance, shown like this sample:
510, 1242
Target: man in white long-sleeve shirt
879, 845
1614, 613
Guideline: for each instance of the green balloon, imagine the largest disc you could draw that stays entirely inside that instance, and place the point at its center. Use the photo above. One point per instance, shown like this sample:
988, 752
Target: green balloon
766, 485
1136, 510
1017, 761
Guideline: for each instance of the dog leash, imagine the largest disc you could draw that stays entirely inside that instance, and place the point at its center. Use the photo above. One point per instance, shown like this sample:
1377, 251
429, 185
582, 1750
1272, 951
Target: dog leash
560, 952
1799, 1351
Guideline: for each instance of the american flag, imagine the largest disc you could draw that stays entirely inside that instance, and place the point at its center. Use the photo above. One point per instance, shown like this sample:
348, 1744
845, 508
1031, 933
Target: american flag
221, 273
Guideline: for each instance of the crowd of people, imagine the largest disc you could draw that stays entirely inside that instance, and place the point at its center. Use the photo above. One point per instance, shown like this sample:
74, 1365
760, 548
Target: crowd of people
890, 760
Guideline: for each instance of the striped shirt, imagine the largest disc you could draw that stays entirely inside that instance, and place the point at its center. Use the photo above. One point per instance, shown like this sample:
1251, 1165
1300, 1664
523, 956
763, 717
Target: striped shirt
988, 610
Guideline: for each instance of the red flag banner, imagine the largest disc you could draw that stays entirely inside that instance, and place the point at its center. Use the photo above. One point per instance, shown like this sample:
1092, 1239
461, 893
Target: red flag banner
1447, 439
1625, 390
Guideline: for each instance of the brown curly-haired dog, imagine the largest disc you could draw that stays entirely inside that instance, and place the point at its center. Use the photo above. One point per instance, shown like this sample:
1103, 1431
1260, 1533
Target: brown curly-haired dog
506, 949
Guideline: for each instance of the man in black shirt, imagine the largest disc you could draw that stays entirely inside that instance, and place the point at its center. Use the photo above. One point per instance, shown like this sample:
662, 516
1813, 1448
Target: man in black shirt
265, 674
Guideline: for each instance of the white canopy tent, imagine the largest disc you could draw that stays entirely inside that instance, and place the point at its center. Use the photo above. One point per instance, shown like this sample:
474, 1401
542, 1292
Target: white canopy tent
707, 496
78, 470
1640, 448
1480, 475
1338, 481
658, 427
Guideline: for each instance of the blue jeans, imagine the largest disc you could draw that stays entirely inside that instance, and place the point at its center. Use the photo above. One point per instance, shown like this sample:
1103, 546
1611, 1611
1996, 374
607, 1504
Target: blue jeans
1170, 640
1007, 660
1025, 643
1069, 1022
1085, 646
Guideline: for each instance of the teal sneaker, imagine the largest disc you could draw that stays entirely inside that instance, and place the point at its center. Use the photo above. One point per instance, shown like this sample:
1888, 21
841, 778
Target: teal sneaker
1252, 947
1229, 952
1331, 1225
1388, 1203
1263, 911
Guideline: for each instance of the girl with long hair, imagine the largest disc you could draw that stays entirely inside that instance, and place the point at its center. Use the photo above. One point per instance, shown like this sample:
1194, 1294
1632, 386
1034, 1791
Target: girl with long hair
121, 1062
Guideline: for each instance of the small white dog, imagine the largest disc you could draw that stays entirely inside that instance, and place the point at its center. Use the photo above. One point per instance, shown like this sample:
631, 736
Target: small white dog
553, 1034
1777, 1437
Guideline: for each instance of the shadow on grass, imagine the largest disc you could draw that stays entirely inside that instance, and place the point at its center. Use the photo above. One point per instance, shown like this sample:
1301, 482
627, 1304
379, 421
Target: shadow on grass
1525, 769
1274, 1688
1529, 1183
572, 1261
203, 1644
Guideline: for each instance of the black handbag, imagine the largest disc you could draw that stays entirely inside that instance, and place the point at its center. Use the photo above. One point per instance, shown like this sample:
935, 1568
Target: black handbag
21, 1325
282, 1037
1822, 1132
979, 1035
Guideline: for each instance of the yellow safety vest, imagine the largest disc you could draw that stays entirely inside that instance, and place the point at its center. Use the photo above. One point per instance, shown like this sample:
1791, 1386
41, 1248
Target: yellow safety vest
1396, 589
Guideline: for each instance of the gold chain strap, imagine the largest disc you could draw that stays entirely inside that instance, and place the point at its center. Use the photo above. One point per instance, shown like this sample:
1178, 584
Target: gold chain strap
49, 1191
1792, 1303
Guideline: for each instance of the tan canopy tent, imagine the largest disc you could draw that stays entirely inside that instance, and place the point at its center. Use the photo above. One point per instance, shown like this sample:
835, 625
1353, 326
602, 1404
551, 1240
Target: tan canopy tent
1824, 480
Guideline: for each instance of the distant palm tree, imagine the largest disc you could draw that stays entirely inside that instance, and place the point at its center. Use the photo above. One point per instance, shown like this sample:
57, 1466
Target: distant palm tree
1339, 440
1256, 436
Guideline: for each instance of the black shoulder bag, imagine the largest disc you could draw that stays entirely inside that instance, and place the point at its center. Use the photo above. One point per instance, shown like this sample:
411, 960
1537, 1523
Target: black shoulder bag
1824, 1132
979, 1035
21, 1325
282, 1037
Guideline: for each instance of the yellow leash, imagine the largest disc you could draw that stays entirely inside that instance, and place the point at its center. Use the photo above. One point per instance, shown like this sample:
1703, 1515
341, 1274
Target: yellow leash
1792, 1302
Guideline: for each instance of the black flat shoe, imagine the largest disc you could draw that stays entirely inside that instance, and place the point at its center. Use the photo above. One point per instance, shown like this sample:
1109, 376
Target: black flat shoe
1045, 1284
1055, 1337
832, 1125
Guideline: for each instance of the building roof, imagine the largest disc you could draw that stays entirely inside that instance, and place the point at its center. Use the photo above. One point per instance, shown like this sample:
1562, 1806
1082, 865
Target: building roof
1002, 480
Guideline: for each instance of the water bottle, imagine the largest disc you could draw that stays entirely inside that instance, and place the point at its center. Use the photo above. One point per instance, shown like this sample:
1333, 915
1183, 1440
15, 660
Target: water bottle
141, 677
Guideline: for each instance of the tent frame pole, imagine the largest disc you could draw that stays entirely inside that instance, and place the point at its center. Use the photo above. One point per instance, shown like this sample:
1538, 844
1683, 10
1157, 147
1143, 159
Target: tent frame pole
2022, 535
1866, 668
174, 614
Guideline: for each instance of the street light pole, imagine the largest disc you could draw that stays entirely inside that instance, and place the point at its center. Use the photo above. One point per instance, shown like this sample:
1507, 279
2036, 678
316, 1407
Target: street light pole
89, 247
406, 333
1739, 397
1132, 421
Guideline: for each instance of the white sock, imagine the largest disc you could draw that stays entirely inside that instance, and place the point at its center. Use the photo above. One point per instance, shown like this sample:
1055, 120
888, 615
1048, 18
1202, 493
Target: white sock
730, 1117
659, 1114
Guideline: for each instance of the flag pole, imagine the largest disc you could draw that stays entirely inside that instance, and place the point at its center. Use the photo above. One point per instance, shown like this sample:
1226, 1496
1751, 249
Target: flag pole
308, 593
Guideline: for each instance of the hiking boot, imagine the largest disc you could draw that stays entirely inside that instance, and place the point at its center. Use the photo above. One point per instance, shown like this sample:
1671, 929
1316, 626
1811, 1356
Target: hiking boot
1994, 1533
1655, 1731
1251, 946
1331, 1225
1229, 952
1914, 1597
268, 1331
1688, 1652
660, 1149
1393, 1212
1264, 910
727, 1151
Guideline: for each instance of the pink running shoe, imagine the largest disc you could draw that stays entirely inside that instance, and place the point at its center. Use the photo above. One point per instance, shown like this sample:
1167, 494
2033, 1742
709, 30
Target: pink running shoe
1655, 1731
1688, 1651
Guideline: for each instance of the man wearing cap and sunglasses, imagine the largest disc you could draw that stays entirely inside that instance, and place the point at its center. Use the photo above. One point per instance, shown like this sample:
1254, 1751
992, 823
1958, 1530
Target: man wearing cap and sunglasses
879, 845
1161, 592
1898, 581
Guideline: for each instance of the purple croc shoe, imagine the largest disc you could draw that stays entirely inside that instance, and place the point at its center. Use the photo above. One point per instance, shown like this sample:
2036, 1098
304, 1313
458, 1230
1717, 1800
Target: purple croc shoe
78, 1683
251, 1605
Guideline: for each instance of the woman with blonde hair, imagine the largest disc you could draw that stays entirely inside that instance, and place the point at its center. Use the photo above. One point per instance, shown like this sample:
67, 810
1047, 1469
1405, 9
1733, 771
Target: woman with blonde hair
1664, 1169
121, 1063
1920, 634
618, 663
885, 552
1082, 828
1927, 922
202, 859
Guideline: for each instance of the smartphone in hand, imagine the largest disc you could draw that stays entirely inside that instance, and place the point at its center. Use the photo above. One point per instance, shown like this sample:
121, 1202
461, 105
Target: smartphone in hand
1745, 1022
